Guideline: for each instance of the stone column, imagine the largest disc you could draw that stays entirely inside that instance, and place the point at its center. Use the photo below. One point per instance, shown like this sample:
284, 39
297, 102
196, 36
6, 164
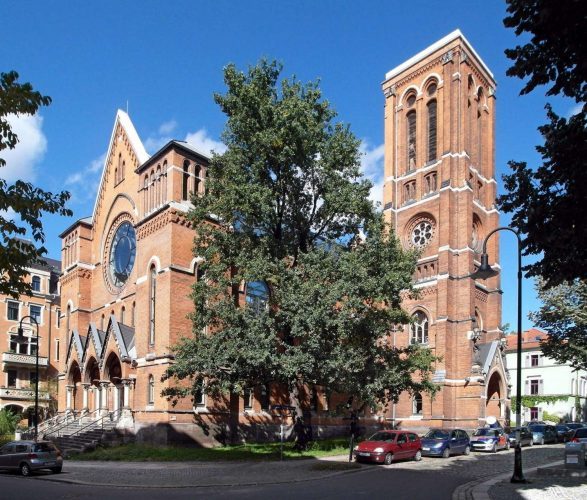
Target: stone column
68, 398
104, 384
126, 388
85, 388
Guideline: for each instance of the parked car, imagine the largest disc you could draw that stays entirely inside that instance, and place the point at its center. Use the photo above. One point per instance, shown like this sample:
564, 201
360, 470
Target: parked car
388, 446
563, 433
579, 435
445, 442
525, 436
543, 433
575, 425
29, 456
489, 439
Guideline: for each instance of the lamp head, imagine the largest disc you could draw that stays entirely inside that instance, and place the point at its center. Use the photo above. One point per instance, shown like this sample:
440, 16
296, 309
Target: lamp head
20, 338
484, 271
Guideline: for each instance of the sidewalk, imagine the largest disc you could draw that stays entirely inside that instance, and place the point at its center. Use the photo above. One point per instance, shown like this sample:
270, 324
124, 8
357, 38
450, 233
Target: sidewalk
201, 474
541, 486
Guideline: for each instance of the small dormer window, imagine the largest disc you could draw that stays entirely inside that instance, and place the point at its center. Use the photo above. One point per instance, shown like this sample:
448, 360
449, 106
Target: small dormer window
36, 284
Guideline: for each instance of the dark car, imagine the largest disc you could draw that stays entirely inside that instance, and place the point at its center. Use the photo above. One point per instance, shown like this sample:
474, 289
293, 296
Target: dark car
445, 442
543, 433
575, 425
29, 456
563, 433
489, 439
389, 446
525, 436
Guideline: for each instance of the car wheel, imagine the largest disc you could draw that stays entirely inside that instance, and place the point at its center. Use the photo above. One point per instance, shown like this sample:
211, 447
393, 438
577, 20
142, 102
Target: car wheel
56, 470
418, 456
494, 449
388, 459
446, 453
467, 450
507, 445
25, 469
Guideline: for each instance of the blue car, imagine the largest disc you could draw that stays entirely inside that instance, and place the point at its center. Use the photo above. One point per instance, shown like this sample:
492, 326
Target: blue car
445, 442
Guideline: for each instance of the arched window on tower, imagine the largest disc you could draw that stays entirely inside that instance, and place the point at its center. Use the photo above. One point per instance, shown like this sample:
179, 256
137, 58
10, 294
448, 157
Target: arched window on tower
432, 130
68, 320
419, 328
197, 179
152, 303
185, 181
257, 296
122, 315
151, 390
146, 193
480, 131
132, 314
411, 135
122, 171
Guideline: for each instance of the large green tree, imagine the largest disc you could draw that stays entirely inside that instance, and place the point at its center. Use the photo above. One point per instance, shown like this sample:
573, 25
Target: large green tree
547, 202
21, 204
563, 315
286, 205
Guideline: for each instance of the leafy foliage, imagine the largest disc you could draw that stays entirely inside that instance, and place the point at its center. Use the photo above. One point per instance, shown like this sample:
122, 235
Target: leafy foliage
289, 204
8, 421
21, 203
533, 400
563, 315
547, 202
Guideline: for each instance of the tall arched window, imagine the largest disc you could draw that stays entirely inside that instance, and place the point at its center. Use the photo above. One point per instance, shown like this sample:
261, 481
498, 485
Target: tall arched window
185, 181
68, 319
417, 404
118, 175
480, 131
257, 296
159, 190
411, 143
122, 314
197, 178
122, 171
132, 314
102, 323
151, 390
146, 193
431, 130
419, 328
152, 303
152, 190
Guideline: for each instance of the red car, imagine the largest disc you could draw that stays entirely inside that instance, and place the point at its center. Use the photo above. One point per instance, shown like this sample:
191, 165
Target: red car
388, 446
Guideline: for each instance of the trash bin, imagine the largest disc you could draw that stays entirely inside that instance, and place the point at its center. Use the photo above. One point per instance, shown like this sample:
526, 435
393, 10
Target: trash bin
575, 456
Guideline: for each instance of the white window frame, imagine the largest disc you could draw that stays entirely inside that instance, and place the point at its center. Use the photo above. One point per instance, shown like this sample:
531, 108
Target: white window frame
8, 301
32, 304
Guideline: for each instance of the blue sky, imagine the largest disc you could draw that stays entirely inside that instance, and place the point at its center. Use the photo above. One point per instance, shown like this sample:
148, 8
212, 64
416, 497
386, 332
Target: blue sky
164, 61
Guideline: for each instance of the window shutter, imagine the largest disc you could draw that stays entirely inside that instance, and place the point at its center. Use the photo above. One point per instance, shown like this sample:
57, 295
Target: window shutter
527, 388
527, 361
541, 387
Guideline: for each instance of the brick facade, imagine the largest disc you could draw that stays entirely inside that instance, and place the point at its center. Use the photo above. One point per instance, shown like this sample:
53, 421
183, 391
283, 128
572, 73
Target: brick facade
439, 195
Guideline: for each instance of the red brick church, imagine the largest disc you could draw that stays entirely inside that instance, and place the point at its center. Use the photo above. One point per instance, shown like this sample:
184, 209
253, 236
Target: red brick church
128, 268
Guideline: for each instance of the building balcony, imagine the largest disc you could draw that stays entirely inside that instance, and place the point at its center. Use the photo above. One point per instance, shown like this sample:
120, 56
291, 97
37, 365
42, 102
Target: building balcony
12, 358
12, 393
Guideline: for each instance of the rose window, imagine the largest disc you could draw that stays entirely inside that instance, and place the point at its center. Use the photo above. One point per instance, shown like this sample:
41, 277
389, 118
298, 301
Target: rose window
422, 233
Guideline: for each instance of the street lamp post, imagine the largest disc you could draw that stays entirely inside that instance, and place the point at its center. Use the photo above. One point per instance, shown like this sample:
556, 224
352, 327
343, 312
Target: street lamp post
22, 340
483, 272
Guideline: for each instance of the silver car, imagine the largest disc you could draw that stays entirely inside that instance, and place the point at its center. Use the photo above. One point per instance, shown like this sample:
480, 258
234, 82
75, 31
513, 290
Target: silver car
29, 456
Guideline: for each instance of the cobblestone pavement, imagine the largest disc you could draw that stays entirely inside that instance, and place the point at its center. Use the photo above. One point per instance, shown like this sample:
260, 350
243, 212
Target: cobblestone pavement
470, 470
541, 488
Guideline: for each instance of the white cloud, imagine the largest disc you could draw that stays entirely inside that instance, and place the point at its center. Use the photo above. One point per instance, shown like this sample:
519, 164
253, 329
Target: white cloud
83, 184
372, 169
201, 141
167, 127
154, 144
21, 161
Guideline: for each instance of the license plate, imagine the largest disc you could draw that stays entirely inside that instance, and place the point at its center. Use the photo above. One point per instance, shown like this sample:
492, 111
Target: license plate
50, 464
425, 448
363, 454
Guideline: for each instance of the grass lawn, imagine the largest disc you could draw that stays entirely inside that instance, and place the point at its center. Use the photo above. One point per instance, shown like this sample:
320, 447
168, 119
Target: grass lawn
263, 451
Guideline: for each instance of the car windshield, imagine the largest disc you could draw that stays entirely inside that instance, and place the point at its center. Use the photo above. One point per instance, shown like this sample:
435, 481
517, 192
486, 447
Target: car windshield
382, 436
436, 434
562, 428
581, 433
484, 432
537, 428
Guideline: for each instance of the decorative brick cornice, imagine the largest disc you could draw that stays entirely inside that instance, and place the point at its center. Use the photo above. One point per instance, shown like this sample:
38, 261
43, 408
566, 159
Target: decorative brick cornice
420, 71
480, 295
153, 225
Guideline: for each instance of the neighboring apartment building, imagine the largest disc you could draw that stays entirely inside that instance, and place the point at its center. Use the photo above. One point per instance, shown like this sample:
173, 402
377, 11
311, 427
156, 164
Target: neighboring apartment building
542, 376
439, 194
128, 268
18, 376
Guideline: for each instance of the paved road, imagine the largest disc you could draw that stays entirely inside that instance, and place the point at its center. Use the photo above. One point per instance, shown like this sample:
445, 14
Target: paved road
431, 478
